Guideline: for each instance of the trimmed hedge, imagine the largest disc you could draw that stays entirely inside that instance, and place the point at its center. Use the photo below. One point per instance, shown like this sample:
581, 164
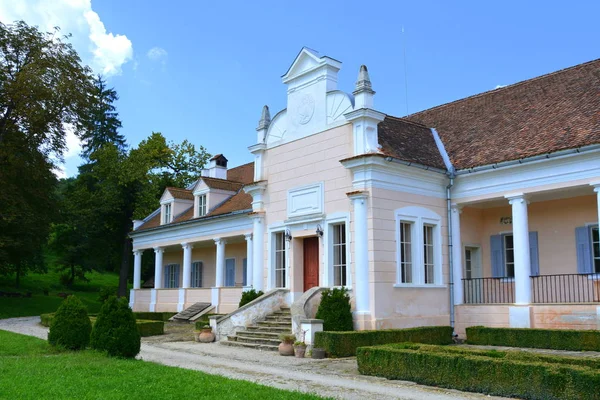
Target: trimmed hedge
115, 330
145, 327
344, 344
495, 373
248, 296
335, 310
557, 339
150, 328
70, 327
154, 316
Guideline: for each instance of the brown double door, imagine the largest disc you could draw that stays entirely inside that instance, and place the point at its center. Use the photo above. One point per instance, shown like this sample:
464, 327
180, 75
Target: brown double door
311, 262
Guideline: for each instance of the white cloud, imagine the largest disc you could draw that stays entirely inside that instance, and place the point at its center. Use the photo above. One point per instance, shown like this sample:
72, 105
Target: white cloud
158, 54
104, 51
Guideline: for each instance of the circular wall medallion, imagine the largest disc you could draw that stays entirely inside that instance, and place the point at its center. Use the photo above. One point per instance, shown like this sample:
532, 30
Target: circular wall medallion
305, 109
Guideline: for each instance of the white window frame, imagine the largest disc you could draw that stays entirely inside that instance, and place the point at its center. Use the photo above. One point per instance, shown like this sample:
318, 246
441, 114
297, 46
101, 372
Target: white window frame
594, 257
202, 204
192, 283
167, 213
274, 253
327, 243
419, 217
333, 245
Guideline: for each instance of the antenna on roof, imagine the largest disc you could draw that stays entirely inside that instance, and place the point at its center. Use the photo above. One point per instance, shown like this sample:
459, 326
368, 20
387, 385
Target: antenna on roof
405, 74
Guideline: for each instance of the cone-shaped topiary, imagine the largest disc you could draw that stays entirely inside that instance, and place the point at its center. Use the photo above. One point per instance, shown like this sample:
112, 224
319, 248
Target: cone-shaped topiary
70, 328
335, 310
115, 330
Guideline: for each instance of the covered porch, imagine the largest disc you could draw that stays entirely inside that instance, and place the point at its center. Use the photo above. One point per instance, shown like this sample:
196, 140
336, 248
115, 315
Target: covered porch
213, 271
528, 260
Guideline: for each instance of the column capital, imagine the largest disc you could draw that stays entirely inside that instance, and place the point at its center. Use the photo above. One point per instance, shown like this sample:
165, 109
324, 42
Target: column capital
219, 241
158, 250
516, 198
596, 186
138, 252
186, 245
248, 236
456, 208
257, 216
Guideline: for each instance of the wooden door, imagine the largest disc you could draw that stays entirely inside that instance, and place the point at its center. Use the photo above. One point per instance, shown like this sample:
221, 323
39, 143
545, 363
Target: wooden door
311, 263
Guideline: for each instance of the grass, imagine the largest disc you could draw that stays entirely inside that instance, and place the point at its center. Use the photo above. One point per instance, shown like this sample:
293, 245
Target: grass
31, 369
87, 292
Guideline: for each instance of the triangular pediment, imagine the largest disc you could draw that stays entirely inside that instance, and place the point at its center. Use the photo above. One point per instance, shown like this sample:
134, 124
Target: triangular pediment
307, 60
166, 196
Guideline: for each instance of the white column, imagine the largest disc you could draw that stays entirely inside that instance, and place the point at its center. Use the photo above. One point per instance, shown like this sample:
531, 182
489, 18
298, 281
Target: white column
158, 267
457, 255
361, 253
187, 265
521, 248
258, 240
249, 259
220, 262
137, 268
597, 190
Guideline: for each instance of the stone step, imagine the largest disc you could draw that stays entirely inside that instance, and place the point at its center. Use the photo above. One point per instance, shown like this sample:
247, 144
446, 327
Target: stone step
273, 324
270, 342
259, 334
285, 329
191, 311
275, 318
250, 345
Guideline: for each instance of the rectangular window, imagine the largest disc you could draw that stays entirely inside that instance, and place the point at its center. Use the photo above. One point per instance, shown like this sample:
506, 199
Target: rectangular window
595, 249
428, 264
339, 255
406, 252
245, 272
202, 205
167, 213
171, 276
230, 272
197, 274
280, 260
509, 256
468, 264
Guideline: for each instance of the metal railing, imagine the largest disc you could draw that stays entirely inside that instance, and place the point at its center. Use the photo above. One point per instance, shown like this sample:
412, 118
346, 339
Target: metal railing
488, 290
566, 288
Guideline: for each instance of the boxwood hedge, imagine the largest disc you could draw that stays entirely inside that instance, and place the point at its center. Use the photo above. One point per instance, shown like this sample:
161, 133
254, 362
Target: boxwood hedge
496, 373
154, 316
344, 344
557, 339
145, 327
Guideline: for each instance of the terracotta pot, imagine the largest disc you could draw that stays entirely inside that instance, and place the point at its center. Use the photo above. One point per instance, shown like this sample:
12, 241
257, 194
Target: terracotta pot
286, 349
299, 351
206, 336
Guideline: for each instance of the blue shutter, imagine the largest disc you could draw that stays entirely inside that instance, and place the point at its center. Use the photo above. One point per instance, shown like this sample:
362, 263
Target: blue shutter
176, 283
245, 272
534, 254
199, 272
497, 253
584, 250
166, 276
230, 272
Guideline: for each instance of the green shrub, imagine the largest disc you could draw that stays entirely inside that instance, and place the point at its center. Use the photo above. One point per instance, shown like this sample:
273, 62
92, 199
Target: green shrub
344, 344
335, 310
70, 327
557, 339
106, 292
154, 316
46, 319
489, 374
150, 328
249, 296
115, 330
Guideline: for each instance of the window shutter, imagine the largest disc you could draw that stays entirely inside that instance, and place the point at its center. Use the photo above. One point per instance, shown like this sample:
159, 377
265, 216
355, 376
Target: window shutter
245, 272
534, 254
230, 272
199, 272
497, 253
176, 285
584, 250
166, 283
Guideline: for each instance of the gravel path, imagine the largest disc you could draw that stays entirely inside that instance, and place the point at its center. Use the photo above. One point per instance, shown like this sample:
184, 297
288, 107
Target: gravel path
337, 378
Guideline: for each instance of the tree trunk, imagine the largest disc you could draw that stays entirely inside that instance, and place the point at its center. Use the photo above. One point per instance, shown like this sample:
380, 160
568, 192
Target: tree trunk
124, 271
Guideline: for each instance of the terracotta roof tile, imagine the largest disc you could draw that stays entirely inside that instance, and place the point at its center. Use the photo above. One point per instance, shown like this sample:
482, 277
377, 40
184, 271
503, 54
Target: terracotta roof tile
215, 183
409, 141
238, 202
243, 173
553, 112
151, 223
183, 194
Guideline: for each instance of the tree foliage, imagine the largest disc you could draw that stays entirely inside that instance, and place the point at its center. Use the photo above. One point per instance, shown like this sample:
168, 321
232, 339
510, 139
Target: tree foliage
44, 91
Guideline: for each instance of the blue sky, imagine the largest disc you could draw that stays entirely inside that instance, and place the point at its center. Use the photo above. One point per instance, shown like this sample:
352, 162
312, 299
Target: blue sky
202, 71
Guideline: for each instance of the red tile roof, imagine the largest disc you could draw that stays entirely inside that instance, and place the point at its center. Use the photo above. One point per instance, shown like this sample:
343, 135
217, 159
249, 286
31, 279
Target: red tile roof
542, 115
243, 173
183, 194
223, 184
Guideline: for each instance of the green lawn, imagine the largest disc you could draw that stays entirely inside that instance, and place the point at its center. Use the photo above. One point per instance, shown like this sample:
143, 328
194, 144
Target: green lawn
31, 369
40, 304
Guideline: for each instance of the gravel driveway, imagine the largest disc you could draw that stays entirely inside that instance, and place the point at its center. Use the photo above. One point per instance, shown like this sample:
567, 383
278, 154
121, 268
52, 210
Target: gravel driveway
337, 378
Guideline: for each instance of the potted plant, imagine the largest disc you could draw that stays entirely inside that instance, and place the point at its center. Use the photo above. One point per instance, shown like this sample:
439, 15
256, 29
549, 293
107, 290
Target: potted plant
299, 349
286, 347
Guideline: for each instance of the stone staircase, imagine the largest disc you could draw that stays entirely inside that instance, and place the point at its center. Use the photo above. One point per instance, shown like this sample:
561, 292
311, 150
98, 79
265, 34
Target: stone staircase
265, 335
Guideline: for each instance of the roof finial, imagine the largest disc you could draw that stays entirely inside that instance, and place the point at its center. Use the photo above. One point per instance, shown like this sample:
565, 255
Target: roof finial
364, 82
265, 119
